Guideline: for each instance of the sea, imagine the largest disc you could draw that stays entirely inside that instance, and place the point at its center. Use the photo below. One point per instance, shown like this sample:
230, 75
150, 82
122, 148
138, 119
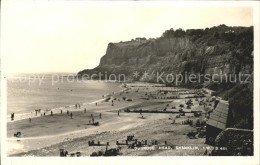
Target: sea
27, 92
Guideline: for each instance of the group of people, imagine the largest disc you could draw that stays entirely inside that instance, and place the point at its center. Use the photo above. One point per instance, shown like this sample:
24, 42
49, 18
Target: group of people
77, 106
30, 120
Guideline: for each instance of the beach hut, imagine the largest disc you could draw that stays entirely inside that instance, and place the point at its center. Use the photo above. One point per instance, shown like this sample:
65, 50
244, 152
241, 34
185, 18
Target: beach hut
217, 122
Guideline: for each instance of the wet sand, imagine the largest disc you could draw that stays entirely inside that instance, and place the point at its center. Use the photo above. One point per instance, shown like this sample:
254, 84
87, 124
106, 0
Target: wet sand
44, 136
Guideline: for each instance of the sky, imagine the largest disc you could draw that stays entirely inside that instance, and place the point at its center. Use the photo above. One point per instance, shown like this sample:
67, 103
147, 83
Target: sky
62, 37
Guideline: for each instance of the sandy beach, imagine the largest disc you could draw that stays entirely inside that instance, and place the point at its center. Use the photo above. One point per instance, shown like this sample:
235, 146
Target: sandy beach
46, 135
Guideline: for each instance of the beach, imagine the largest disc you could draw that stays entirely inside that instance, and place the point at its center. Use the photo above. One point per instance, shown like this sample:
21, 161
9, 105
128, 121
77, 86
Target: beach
46, 135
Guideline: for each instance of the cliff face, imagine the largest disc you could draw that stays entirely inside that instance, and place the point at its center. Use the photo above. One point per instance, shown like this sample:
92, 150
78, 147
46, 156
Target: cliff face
218, 49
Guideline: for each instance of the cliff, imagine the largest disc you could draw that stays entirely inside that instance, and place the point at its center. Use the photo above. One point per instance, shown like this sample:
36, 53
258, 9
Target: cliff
208, 51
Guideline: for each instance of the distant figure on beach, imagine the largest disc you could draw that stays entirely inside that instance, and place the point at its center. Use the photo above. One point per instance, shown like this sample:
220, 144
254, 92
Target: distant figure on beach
76, 106
30, 120
173, 121
93, 120
61, 111
79, 106
12, 116
44, 114
71, 115
100, 116
41, 114
85, 110
96, 103
36, 113
117, 113
51, 113
68, 112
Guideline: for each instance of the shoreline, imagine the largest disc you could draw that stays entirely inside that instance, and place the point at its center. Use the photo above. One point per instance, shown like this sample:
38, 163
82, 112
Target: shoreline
27, 115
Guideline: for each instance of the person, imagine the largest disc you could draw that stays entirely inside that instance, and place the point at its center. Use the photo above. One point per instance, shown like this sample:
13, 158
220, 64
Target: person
36, 112
118, 113
93, 120
76, 106
12, 116
68, 112
79, 106
71, 115
61, 111
51, 113
85, 110
96, 103
44, 114
173, 121
100, 116
30, 120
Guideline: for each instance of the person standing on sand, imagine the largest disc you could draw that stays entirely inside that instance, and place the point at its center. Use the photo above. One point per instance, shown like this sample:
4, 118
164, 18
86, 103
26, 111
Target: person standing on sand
85, 110
100, 116
96, 103
30, 120
51, 113
71, 115
12, 116
117, 113
93, 120
44, 114
79, 106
